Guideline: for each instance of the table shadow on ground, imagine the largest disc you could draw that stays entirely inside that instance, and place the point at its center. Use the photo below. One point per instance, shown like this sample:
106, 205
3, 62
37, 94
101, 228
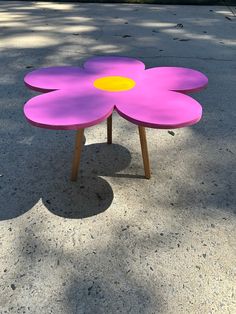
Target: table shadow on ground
90, 194
44, 173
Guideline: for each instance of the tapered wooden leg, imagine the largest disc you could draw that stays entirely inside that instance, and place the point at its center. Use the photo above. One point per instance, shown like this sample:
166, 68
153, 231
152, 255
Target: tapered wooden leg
77, 154
143, 141
109, 130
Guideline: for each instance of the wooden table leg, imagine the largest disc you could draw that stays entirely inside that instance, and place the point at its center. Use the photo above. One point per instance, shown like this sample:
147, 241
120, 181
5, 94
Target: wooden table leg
77, 154
109, 130
143, 141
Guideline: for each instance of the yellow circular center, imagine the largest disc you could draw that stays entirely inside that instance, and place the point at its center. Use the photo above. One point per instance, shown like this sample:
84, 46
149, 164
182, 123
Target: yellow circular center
114, 83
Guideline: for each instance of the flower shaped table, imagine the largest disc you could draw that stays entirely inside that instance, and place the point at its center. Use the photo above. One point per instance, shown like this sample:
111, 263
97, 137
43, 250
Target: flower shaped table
76, 98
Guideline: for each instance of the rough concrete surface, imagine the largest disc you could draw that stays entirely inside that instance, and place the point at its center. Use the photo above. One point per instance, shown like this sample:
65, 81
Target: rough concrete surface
114, 242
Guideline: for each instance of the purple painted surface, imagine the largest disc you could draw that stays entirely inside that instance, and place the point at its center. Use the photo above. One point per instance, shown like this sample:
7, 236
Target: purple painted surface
158, 99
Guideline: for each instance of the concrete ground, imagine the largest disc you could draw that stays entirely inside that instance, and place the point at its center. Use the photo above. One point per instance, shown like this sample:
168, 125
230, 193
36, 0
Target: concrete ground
114, 242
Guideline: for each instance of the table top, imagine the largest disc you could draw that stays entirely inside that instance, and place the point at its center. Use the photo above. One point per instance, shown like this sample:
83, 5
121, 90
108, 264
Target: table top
79, 97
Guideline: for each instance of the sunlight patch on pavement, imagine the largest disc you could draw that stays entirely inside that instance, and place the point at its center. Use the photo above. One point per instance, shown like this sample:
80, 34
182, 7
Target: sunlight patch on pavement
28, 41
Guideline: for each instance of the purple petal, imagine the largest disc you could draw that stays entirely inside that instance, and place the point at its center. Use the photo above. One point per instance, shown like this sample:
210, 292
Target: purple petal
69, 110
176, 79
114, 66
159, 109
47, 79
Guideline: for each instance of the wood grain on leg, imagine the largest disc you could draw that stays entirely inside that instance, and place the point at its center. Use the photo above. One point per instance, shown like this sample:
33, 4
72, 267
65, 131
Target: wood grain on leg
109, 130
77, 154
143, 141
